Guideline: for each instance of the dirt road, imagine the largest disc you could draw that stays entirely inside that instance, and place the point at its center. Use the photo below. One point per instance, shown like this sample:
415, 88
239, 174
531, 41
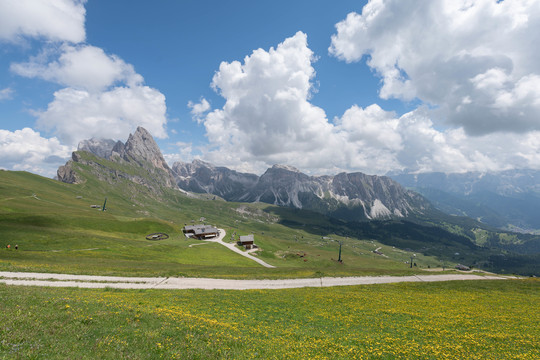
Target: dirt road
219, 240
87, 281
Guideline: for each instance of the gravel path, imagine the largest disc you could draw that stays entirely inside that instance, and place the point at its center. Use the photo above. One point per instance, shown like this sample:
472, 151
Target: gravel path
88, 281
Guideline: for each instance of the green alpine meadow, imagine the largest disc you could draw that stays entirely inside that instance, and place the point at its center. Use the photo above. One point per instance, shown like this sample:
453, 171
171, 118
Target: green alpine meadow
270, 180
59, 228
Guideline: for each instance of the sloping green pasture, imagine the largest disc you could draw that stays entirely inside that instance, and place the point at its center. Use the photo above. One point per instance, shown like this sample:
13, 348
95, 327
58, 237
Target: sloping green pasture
56, 230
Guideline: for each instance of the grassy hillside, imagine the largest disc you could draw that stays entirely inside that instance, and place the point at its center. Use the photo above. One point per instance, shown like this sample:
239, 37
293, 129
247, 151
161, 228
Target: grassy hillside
452, 320
56, 230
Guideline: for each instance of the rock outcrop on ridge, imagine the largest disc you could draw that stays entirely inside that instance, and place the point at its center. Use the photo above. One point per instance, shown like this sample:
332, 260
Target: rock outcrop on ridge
202, 177
138, 160
354, 196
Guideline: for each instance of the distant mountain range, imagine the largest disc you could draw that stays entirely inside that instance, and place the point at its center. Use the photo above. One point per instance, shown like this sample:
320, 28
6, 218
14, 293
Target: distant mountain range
353, 196
137, 171
507, 199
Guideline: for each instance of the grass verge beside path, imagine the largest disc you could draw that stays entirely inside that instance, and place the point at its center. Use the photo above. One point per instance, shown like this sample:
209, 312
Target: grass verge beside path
450, 320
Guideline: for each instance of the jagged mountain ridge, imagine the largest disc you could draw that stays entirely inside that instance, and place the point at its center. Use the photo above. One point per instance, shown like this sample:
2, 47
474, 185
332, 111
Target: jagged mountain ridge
139, 160
99, 147
353, 196
202, 177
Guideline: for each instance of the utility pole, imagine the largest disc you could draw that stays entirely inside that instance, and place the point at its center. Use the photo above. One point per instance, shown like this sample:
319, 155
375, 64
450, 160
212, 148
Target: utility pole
105, 203
339, 259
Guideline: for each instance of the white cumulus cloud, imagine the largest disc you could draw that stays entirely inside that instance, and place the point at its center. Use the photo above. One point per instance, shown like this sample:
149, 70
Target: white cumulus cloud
199, 109
476, 60
81, 67
268, 118
105, 97
184, 153
75, 115
58, 20
27, 150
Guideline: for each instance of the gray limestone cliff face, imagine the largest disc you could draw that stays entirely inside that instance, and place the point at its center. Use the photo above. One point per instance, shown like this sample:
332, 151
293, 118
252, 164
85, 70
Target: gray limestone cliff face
65, 173
283, 186
141, 148
380, 195
354, 196
99, 147
202, 177
139, 151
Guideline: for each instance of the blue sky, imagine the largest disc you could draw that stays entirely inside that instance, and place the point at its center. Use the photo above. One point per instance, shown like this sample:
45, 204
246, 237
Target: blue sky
372, 86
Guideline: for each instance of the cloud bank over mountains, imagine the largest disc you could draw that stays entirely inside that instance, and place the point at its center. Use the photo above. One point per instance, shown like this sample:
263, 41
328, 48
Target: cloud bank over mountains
26, 150
472, 66
268, 117
102, 97
477, 61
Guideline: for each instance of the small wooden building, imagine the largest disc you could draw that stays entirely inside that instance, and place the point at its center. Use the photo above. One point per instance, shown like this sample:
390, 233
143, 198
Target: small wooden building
201, 231
247, 241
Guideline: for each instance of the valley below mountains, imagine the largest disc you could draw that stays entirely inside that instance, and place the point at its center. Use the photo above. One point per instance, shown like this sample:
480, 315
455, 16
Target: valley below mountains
507, 200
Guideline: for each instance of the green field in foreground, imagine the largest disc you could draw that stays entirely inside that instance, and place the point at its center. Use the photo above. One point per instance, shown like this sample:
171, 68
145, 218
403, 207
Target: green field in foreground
450, 320
56, 230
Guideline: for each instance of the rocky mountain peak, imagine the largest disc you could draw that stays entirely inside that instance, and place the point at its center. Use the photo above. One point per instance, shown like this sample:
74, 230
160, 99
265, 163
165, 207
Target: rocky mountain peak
99, 147
282, 177
140, 150
141, 145
203, 177
199, 162
286, 168
350, 196
195, 167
